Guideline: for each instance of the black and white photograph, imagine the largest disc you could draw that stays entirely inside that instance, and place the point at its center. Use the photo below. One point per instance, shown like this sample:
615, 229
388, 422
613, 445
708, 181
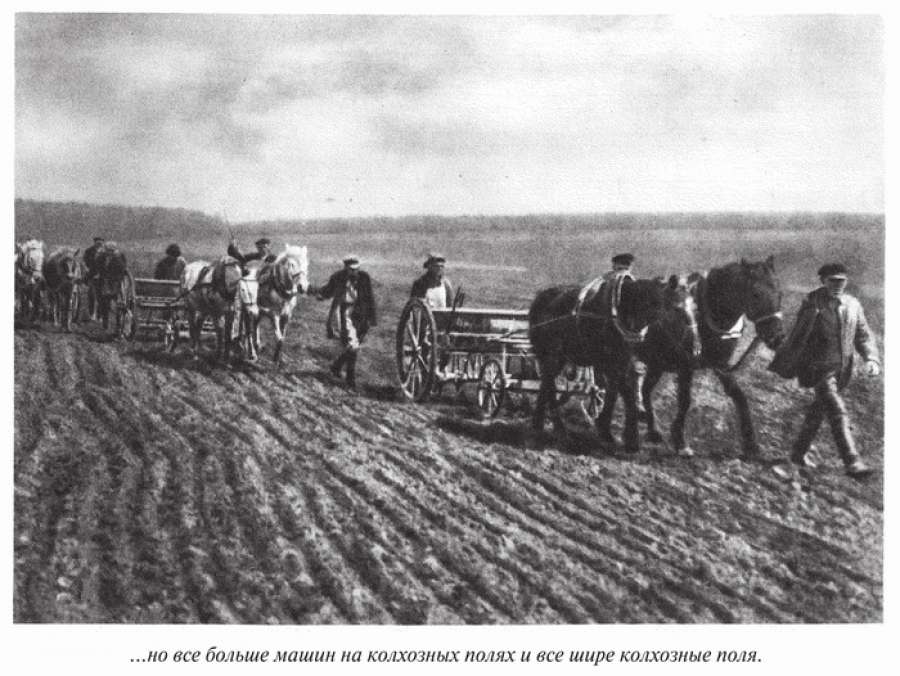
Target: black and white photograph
448, 320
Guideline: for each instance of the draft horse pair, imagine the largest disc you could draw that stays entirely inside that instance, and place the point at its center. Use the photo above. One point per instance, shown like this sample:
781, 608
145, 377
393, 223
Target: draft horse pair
221, 291
678, 326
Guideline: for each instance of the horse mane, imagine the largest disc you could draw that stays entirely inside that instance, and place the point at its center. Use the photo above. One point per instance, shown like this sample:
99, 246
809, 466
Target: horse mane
297, 253
64, 252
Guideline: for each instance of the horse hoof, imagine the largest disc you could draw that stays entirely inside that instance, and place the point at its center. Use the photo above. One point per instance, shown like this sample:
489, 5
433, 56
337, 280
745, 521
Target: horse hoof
685, 452
654, 437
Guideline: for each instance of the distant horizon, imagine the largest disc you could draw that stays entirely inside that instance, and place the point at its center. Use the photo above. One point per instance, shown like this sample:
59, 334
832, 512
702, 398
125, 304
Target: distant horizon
282, 219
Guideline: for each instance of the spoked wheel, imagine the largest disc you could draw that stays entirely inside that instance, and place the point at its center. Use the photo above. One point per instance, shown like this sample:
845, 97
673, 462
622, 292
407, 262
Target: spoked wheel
491, 388
596, 397
416, 351
127, 319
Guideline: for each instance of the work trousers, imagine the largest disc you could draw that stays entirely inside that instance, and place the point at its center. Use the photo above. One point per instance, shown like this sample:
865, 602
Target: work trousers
827, 402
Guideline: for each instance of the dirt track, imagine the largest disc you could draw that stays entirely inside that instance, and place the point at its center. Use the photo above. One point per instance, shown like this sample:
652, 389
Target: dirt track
149, 489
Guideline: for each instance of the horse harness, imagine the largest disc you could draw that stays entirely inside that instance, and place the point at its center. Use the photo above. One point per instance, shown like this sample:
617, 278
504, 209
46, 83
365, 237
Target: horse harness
735, 331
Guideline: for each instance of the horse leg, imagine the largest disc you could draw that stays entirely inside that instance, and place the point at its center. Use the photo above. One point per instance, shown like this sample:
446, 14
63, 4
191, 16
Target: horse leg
65, 299
685, 381
280, 322
749, 445
630, 437
549, 369
195, 324
227, 328
604, 420
649, 384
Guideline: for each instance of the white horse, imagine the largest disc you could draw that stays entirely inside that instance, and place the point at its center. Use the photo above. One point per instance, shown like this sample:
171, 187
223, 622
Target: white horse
209, 291
271, 289
29, 278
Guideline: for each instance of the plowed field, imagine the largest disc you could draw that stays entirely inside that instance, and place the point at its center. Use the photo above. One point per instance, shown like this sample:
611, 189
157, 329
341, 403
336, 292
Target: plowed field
153, 489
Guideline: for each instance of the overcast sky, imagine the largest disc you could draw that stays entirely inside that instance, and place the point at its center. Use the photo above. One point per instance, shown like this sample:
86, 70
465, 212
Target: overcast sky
293, 116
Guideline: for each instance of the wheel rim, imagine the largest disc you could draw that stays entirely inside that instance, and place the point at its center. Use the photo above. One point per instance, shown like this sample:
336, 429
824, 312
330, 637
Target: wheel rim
415, 351
491, 388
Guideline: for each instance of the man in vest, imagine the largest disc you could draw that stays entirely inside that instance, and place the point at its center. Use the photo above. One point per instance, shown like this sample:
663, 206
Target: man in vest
433, 287
820, 350
353, 304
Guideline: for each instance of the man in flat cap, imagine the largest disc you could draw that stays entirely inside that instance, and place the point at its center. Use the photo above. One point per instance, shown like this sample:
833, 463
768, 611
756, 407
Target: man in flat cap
830, 328
353, 304
433, 287
172, 265
263, 252
621, 265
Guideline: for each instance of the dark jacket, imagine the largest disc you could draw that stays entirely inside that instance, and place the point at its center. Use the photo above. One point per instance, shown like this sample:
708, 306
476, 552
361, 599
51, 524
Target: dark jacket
169, 268
246, 258
90, 258
792, 360
421, 286
363, 313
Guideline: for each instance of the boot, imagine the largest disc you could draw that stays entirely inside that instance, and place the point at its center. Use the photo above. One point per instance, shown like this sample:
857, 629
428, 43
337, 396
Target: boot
351, 370
337, 364
857, 468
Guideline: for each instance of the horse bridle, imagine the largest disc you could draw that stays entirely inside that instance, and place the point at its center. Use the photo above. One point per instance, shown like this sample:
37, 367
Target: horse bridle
727, 334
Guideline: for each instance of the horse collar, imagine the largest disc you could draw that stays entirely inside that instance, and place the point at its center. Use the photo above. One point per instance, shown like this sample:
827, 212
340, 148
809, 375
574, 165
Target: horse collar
734, 331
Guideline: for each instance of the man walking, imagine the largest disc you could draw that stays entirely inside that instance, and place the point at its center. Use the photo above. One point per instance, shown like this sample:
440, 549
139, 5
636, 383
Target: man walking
354, 305
89, 258
820, 351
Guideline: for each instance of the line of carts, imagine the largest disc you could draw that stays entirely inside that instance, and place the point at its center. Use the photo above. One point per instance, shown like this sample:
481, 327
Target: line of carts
435, 348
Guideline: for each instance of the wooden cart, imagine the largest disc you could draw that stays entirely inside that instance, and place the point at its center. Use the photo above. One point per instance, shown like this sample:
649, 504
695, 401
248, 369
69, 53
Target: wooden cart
488, 347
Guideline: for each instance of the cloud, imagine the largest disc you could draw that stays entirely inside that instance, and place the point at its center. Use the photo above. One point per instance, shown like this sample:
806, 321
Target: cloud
279, 112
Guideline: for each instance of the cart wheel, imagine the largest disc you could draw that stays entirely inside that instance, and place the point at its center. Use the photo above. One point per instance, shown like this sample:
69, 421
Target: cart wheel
596, 399
491, 388
416, 351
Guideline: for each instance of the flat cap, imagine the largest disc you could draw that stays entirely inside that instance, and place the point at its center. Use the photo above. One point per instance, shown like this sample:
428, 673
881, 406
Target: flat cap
262, 241
98, 239
173, 250
434, 258
351, 261
623, 259
833, 270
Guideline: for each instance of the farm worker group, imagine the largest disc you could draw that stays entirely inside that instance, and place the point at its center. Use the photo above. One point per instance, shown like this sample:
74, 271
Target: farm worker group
830, 329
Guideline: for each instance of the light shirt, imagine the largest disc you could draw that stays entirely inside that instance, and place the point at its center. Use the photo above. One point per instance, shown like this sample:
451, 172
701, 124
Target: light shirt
350, 293
436, 296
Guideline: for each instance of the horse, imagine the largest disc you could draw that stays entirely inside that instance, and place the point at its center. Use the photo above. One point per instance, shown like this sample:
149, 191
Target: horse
29, 278
271, 289
209, 291
598, 328
62, 274
723, 298
112, 284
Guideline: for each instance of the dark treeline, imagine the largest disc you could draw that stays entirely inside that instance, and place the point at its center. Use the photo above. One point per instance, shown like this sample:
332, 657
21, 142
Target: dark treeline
77, 222
579, 222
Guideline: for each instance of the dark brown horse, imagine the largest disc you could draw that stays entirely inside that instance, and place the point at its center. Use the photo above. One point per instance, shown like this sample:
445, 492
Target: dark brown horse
599, 330
113, 286
62, 275
723, 298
